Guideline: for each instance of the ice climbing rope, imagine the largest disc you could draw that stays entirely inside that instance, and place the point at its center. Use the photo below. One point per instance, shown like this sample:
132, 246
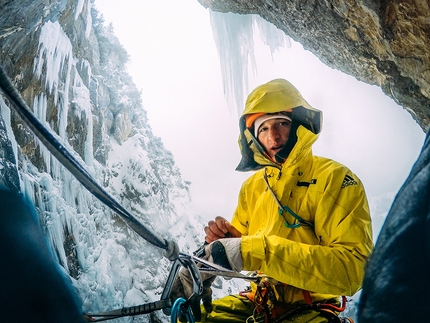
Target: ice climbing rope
70, 162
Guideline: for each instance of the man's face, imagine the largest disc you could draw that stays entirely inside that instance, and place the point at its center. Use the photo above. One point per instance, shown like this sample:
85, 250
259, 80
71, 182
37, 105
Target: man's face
273, 135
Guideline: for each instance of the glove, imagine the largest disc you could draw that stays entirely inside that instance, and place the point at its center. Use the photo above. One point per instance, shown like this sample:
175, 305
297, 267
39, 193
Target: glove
226, 253
183, 287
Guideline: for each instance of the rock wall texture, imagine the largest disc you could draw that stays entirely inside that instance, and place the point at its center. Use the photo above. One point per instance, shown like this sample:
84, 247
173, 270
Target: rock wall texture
384, 43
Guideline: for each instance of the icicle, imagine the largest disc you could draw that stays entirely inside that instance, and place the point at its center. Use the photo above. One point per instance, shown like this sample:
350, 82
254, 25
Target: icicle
271, 36
39, 109
234, 38
5, 112
89, 20
55, 50
27, 185
79, 7
52, 215
81, 98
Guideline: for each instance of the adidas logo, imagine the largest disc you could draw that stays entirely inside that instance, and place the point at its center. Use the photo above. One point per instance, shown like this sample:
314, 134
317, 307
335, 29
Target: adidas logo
348, 181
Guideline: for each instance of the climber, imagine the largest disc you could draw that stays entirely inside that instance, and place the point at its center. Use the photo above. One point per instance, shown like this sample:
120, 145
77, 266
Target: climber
32, 286
303, 221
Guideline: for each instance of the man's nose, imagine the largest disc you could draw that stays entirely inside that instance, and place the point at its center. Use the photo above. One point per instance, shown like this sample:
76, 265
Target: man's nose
273, 133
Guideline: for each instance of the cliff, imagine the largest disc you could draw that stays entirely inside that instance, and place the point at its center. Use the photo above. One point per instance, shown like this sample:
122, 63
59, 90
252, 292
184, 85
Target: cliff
383, 43
71, 71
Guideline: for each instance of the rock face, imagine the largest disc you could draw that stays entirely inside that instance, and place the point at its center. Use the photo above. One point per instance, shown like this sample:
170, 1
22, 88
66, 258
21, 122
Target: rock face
70, 70
383, 42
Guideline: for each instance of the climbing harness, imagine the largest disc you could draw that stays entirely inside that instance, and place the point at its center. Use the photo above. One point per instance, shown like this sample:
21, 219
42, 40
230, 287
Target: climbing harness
270, 310
282, 208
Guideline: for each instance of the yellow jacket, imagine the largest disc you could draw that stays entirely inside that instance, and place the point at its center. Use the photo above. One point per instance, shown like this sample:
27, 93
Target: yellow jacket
327, 260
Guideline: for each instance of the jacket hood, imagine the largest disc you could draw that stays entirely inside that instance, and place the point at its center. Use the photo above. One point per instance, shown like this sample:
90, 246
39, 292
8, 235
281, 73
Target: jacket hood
275, 96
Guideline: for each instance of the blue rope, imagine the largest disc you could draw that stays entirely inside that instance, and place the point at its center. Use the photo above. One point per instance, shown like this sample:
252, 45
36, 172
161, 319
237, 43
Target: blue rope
176, 311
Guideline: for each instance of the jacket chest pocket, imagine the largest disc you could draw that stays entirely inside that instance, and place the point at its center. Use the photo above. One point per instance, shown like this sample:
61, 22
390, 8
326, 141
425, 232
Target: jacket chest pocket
300, 201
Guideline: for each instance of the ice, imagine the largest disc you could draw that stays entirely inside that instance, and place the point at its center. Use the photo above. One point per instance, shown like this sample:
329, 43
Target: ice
89, 20
79, 7
5, 113
272, 36
234, 38
55, 54
81, 98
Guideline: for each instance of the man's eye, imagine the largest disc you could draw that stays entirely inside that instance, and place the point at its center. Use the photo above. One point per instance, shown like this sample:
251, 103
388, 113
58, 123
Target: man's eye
262, 129
284, 123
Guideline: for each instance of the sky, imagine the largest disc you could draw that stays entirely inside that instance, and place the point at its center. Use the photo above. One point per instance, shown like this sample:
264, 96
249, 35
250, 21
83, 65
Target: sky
174, 61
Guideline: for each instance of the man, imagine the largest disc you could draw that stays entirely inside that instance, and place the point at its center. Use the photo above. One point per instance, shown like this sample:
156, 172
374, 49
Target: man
301, 220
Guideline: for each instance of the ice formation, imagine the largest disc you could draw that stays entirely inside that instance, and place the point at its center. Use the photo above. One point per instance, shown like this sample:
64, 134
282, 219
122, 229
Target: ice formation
234, 38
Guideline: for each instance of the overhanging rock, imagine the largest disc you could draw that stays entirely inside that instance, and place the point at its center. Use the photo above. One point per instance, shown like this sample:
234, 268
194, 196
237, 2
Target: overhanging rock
383, 43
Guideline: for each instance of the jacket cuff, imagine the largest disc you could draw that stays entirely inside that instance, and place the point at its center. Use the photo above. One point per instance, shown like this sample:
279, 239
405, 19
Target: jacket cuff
253, 252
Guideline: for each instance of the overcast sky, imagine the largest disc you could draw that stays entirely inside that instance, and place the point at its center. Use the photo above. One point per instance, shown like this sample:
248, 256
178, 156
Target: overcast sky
175, 62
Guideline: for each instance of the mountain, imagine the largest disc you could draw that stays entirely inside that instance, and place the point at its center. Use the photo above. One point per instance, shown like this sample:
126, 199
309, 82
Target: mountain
71, 71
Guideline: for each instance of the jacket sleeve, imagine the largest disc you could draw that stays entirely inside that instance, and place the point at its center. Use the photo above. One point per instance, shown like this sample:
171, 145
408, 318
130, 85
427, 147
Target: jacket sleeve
333, 266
